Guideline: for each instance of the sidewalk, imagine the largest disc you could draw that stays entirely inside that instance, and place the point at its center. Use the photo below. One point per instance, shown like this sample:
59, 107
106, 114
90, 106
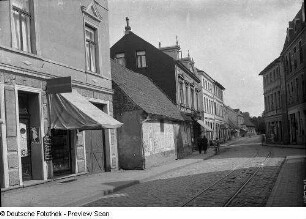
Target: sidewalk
77, 191
288, 190
286, 146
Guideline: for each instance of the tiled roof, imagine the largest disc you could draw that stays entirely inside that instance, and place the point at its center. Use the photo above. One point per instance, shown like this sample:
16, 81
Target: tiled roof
247, 122
144, 93
232, 124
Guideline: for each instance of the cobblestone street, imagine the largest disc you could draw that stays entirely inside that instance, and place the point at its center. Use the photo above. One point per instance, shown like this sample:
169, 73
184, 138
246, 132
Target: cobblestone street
177, 188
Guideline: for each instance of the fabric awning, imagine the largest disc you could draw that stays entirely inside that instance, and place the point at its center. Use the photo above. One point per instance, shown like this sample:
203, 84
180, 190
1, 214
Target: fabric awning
73, 111
206, 127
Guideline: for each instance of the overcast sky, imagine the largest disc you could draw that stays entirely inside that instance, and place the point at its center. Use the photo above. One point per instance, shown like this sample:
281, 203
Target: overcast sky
231, 40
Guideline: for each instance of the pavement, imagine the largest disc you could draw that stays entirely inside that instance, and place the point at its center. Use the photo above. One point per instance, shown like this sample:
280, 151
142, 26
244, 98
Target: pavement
289, 187
81, 190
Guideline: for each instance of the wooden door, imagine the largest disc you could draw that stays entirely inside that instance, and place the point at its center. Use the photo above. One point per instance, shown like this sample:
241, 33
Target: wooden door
95, 151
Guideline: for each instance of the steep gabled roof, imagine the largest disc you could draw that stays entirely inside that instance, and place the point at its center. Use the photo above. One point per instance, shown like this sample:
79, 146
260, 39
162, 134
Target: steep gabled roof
144, 93
291, 36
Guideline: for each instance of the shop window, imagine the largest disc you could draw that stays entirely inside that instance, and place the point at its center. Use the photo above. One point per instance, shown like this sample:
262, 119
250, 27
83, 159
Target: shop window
141, 59
91, 47
21, 25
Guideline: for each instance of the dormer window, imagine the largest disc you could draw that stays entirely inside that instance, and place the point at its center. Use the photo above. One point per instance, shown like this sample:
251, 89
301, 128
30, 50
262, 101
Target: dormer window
21, 25
120, 59
141, 59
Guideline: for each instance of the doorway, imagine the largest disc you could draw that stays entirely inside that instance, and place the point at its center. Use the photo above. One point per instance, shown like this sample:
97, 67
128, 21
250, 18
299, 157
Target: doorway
96, 152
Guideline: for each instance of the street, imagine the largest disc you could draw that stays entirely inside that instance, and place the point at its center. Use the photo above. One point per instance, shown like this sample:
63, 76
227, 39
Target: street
211, 182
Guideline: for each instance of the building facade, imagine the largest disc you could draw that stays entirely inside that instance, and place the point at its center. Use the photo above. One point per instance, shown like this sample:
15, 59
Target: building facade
152, 133
33, 49
275, 114
294, 59
213, 106
163, 67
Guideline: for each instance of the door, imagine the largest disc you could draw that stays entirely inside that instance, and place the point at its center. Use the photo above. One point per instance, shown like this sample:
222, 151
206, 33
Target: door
95, 151
25, 149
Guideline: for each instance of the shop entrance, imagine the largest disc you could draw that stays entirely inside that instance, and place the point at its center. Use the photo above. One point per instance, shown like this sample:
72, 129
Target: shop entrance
29, 132
61, 152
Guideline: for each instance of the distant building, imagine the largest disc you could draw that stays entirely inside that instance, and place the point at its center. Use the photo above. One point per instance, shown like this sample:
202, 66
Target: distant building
250, 127
231, 118
153, 126
213, 106
275, 112
294, 60
240, 123
166, 71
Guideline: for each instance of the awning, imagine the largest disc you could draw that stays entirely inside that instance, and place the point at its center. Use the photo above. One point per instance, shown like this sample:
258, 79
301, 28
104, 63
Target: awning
206, 127
73, 111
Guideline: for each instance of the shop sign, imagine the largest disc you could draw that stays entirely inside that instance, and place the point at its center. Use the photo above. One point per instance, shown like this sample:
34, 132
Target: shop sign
59, 85
47, 147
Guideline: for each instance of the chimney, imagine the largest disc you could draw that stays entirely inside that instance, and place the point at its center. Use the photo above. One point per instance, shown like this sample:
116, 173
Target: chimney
127, 28
172, 51
159, 44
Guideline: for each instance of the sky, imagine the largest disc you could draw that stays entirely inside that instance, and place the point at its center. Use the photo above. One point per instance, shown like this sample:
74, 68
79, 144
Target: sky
231, 40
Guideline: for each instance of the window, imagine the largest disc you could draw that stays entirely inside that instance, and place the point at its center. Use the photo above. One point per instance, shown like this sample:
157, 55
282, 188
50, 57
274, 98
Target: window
197, 101
301, 52
297, 89
290, 63
295, 59
187, 100
21, 25
141, 59
120, 59
192, 97
90, 44
279, 99
181, 93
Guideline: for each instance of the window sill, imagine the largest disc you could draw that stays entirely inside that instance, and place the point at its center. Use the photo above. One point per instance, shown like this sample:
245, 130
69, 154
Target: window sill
142, 67
32, 55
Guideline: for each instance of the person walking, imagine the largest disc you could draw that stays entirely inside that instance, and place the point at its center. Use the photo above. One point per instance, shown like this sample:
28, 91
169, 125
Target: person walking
263, 139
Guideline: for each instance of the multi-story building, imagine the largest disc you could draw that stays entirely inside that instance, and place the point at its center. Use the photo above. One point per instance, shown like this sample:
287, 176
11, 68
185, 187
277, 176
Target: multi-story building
163, 67
39, 40
294, 60
231, 118
275, 114
213, 105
